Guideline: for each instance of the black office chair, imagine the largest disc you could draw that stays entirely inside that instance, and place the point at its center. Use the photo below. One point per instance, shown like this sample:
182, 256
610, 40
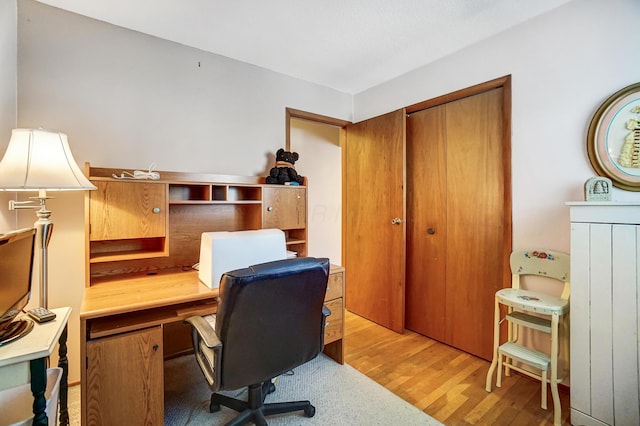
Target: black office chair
270, 320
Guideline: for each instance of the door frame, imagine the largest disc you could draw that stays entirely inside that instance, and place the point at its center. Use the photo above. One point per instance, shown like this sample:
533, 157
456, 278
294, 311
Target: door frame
331, 121
310, 116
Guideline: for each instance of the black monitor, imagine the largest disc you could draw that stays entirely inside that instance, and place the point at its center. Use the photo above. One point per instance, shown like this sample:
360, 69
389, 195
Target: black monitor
16, 265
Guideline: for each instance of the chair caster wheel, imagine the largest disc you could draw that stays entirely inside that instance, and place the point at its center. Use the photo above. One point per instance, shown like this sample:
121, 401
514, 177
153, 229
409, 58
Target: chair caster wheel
272, 388
214, 407
310, 411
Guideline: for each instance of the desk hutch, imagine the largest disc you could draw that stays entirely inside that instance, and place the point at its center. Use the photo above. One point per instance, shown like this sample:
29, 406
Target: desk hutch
142, 239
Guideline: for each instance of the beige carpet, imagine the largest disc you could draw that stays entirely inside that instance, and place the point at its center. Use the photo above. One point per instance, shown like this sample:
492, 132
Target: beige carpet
74, 405
341, 395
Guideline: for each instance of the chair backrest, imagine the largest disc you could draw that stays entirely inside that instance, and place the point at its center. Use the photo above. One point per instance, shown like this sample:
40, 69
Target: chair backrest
541, 262
270, 319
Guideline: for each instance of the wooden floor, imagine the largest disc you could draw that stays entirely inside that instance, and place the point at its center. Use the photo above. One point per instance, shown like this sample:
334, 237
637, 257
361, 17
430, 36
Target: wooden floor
444, 382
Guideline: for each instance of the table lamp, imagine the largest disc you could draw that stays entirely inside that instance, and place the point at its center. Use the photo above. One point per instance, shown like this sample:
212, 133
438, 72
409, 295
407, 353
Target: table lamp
40, 160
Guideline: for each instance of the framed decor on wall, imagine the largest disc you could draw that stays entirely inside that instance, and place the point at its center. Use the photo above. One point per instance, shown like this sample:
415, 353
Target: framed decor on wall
613, 141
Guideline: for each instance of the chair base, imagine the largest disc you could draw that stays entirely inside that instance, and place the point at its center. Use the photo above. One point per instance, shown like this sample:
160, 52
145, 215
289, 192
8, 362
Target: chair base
254, 409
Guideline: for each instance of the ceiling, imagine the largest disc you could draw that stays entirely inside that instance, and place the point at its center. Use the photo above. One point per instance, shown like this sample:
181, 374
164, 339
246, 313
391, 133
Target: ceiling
347, 45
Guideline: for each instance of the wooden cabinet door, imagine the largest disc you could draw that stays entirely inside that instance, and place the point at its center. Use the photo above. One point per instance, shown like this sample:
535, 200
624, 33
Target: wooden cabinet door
284, 207
374, 236
126, 210
125, 379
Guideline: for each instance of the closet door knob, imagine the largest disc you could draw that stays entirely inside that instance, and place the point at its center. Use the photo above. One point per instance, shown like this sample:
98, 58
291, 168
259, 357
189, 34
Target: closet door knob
396, 221
431, 231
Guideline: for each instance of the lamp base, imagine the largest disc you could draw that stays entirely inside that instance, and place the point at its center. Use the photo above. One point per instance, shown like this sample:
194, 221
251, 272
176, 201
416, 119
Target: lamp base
44, 225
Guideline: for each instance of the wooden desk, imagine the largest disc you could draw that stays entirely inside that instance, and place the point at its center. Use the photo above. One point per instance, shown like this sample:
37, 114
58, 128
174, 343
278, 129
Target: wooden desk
121, 329
35, 348
122, 326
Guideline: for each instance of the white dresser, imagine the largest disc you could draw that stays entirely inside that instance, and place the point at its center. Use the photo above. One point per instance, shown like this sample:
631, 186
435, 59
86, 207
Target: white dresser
605, 320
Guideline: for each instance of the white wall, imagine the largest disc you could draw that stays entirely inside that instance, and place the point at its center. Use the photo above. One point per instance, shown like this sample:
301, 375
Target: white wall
9, 68
321, 162
8, 88
125, 100
564, 64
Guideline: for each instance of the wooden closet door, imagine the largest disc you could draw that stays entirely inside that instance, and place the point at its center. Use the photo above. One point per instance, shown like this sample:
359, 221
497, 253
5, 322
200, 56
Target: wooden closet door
374, 247
426, 222
457, 189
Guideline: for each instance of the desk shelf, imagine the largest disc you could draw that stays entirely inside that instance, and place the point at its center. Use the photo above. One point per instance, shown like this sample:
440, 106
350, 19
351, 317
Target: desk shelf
142, 225
117, 250
213, 202
221, 193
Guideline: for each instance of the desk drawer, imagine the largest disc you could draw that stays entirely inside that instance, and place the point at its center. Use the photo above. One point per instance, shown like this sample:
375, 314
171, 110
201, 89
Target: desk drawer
334, 286
131, 321
333, 327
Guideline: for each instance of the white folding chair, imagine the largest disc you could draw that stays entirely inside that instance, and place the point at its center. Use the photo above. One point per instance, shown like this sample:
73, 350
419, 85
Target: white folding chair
535, 311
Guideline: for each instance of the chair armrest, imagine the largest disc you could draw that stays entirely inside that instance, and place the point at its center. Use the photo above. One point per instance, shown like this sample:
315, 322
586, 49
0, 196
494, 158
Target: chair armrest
326, 311
208, 350
325, 314
208, 334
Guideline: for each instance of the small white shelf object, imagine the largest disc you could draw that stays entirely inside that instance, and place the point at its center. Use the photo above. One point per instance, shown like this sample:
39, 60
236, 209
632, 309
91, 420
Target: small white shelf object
17, 402
29, 354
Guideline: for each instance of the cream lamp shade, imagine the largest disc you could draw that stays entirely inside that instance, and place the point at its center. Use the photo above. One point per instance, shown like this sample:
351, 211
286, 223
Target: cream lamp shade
40, 159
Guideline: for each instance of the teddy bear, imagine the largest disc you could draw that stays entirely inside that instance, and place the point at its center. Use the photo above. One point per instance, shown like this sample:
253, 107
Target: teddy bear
284, 170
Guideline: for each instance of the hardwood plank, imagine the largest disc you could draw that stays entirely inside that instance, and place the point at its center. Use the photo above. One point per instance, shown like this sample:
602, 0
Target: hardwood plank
444, 382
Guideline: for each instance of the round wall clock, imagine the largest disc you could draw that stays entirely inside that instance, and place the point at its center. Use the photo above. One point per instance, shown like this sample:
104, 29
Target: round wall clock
613, 141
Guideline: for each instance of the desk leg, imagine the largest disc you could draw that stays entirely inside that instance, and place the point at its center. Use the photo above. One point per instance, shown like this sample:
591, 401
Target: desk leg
335, 351
63, 363
38, 386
